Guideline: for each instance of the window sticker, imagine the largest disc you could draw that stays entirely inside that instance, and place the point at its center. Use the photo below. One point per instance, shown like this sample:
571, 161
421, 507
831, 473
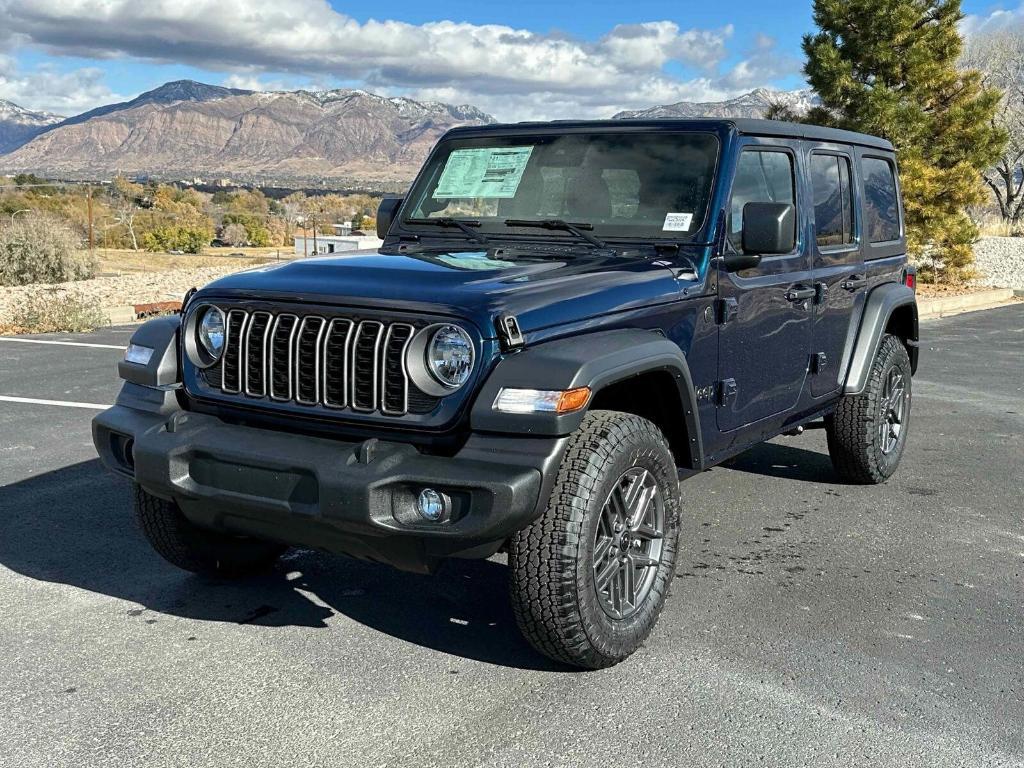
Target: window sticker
677, 222
493, 173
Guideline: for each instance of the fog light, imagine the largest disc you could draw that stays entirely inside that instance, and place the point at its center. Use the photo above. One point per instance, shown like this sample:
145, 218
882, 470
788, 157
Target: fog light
433, 505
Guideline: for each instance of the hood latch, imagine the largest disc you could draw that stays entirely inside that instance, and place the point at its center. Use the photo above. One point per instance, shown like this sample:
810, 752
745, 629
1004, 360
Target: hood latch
509, 333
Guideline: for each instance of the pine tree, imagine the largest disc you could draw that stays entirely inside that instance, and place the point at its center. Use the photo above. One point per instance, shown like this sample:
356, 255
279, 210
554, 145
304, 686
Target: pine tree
889, 68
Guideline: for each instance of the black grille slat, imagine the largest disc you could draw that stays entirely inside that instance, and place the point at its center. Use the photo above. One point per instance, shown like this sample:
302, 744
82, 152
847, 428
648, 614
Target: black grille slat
281, 356
364, 373
394, 380
328, 362
336, 351
307, 360
231, 366
255, 350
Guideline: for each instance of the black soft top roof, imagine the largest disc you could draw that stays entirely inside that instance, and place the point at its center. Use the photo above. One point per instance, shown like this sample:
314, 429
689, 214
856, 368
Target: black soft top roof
746, 126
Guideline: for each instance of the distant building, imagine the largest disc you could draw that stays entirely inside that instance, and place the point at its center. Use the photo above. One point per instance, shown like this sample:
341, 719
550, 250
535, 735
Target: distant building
328, 244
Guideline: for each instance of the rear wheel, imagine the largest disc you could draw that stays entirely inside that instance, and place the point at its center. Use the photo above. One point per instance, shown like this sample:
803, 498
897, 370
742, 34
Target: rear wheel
590, 577
196, 549
868, 432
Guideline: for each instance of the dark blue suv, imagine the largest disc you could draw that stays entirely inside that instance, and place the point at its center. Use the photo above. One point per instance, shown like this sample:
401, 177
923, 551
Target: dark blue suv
563, 321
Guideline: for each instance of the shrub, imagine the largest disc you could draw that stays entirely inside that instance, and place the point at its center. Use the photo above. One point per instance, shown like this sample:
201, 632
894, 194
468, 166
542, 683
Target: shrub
56, 312
38, 248
177, 238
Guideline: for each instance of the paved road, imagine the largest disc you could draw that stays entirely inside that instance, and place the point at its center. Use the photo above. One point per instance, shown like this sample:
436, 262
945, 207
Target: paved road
812, 623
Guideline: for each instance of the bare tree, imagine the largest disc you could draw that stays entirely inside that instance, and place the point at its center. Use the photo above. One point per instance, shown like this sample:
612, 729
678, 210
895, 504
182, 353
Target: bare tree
999, 57
125, 197
235, 234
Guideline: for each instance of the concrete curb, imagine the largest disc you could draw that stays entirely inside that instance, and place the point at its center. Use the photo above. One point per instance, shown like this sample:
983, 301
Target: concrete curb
124, 315
934, 308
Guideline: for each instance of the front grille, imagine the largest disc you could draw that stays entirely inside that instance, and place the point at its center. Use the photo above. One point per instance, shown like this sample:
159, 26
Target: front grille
335, 363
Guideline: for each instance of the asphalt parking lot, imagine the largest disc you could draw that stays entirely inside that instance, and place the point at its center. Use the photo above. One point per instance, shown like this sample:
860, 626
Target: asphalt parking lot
811, 623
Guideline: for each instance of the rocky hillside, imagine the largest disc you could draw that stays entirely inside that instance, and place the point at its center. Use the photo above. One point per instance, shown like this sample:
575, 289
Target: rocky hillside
185, 129
18, 125
753, 104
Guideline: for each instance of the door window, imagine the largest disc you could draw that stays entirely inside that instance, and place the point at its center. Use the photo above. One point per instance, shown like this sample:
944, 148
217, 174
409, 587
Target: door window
762, 176
881, 203
833, 200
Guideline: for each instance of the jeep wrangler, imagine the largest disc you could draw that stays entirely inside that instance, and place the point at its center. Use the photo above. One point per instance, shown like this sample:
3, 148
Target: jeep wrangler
564, 320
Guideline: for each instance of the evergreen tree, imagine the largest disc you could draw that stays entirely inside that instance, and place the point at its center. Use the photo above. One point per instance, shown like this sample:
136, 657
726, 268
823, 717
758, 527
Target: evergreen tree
889, 68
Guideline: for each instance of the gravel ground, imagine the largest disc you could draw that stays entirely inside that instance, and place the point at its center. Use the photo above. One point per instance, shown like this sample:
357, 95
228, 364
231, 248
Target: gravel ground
1000, 261
121, 290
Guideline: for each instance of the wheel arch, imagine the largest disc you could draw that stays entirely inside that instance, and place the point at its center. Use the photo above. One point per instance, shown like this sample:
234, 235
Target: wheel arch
892, 309
633, 371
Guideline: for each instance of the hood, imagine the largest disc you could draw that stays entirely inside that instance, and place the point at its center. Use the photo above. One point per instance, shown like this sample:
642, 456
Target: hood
541, 287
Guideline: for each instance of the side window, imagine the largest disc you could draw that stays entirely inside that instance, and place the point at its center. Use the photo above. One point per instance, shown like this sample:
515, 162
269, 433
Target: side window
881, 205
833, 200
762, 176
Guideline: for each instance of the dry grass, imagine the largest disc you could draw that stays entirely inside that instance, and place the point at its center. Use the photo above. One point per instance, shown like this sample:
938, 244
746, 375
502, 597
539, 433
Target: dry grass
50, 311
116, 262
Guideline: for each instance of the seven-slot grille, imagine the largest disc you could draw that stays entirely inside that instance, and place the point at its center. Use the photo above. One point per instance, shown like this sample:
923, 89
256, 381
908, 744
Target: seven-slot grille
337, 363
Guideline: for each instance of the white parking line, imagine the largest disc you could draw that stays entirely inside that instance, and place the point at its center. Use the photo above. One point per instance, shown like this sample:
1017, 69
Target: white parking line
64, 403
62, 343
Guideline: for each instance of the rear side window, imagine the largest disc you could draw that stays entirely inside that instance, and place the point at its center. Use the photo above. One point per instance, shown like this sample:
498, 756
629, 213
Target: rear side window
761, 177
833, 200
881, 204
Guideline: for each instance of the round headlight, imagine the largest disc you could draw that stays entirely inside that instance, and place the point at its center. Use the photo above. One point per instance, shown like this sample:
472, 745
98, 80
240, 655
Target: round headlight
450, 356
211, 332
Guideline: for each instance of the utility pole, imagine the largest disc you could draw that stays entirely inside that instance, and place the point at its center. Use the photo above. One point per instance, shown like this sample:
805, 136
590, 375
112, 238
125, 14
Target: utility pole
92, 239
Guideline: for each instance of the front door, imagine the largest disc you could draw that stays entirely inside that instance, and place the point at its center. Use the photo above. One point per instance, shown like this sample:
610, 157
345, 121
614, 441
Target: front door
764, 341
839, 271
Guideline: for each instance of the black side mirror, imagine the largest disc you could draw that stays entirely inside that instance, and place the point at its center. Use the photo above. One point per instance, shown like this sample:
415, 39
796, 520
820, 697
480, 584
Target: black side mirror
386, 214
769, 228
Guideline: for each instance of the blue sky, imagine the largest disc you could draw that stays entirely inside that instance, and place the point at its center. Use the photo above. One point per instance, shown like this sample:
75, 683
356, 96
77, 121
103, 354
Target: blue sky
525, 59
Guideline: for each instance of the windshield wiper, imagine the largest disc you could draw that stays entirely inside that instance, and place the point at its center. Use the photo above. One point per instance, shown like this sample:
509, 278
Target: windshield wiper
565, 226
466, 225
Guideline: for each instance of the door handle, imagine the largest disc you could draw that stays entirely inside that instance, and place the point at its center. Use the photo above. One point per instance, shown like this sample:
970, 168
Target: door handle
855, 283
800, 293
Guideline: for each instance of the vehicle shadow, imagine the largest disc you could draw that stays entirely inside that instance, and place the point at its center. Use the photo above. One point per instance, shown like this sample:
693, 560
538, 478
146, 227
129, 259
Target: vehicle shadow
786, 462
74, 526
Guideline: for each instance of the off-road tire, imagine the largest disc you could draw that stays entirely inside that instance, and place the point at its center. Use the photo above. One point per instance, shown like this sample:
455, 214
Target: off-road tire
196, 549
552, 580
854, 442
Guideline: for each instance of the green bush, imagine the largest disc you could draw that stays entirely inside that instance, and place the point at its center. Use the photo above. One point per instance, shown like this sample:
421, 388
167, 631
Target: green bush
176, 238
56, 312
37, 248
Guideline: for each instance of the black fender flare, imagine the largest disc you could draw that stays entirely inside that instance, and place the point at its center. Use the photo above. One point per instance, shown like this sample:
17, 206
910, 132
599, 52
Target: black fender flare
163, 369
881, 303
596, 360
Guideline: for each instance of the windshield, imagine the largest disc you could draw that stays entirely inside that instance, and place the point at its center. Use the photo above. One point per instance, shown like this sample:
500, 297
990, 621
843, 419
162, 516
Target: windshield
627, 185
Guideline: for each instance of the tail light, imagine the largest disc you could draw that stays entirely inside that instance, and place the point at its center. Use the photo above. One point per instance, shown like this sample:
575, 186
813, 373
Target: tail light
910, 279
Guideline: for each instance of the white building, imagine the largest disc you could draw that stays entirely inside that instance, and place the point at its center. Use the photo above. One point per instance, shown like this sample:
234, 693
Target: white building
328, 244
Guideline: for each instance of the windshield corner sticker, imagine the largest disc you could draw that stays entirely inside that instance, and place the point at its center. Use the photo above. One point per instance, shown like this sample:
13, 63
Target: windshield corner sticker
678, 222
492, 173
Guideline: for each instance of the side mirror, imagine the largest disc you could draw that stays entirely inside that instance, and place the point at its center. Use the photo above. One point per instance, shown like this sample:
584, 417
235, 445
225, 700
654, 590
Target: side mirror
769, 228
386, 214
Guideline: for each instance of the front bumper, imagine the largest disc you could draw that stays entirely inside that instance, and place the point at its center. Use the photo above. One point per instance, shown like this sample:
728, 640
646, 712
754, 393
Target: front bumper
353, 498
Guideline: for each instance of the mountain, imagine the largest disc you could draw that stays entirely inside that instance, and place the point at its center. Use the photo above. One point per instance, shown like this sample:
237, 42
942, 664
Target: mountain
184, 129
18, 125
753, 104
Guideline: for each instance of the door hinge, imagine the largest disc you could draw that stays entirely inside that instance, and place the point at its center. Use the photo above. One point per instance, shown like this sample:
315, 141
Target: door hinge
819, 362
727, 390
728, 310
509, 333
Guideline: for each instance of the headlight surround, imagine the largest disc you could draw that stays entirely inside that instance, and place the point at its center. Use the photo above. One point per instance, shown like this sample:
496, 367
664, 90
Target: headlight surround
450, 356
210, 330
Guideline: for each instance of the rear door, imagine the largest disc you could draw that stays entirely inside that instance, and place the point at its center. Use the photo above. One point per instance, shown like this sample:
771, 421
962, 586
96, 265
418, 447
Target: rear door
765, 312
839, 272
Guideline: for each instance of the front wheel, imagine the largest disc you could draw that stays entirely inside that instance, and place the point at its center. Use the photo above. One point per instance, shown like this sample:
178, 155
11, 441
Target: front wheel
868, 432
589, 578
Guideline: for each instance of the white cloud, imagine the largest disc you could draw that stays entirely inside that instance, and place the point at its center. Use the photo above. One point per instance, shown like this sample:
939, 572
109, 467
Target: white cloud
763, 63
519, 72
996, 21
47, 89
